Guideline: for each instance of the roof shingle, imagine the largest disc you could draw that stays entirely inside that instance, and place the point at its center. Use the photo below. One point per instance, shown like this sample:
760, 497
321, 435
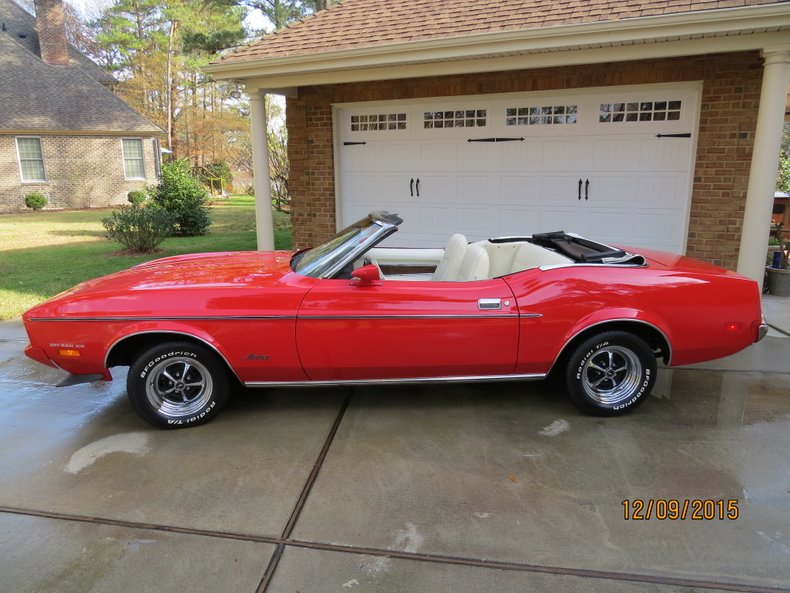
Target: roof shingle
39, 97
354, 24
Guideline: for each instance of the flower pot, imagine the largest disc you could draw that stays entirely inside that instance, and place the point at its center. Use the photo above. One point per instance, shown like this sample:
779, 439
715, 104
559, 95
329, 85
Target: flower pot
778, 281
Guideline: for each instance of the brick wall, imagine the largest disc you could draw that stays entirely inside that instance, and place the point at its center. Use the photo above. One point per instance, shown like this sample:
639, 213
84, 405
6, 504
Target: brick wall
730, 97
81, 172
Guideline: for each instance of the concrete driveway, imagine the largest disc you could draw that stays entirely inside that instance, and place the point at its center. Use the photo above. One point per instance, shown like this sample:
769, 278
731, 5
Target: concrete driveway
490, 488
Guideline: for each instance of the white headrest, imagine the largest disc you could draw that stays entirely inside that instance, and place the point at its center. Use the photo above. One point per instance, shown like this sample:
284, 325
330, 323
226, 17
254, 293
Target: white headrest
475, 265
451, 260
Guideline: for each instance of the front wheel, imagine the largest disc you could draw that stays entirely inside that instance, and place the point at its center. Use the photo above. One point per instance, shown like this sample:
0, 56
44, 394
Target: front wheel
611, 373
177, 384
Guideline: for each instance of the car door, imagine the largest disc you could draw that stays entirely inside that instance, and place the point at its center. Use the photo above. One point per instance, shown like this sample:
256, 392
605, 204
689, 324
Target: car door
394, 329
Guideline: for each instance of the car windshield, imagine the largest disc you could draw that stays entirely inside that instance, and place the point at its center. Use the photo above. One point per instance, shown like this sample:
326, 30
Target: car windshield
319, 261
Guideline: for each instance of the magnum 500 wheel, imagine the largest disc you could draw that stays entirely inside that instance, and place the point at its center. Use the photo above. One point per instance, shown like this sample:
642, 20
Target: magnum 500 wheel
177, 384
611, 373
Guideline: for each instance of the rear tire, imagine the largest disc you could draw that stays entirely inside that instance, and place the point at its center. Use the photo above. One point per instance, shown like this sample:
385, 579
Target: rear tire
177, 384
611, 373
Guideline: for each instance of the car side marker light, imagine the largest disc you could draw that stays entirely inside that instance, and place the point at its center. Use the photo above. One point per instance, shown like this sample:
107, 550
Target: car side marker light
69, 352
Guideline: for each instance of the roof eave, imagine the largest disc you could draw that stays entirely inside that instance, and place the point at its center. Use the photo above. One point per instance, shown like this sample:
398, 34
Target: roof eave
470, 47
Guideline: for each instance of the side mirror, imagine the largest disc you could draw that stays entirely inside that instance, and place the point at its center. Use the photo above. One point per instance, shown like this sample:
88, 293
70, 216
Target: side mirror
366, 276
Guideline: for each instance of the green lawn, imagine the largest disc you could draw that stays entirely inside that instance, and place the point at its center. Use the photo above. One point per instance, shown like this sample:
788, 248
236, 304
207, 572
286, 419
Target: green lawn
44, 253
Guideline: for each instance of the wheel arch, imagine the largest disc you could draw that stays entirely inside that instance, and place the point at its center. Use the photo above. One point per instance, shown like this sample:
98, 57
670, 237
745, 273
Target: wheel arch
123, 351
653, 336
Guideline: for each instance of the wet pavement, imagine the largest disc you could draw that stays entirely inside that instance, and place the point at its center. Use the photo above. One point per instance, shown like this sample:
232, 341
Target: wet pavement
497, 487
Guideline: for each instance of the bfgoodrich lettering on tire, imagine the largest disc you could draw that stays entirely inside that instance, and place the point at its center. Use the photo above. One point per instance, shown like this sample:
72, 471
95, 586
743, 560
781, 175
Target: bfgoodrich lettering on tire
177, 384
610, 374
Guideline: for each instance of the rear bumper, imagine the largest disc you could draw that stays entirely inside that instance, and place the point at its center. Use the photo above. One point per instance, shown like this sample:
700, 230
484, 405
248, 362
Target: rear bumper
762, 329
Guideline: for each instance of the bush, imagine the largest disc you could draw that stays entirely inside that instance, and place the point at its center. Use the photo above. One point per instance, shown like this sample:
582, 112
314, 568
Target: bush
184, 197
36, 200
136, 197
138, 228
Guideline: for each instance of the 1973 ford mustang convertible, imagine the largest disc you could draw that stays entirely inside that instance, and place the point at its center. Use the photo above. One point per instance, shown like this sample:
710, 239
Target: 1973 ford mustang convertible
348, 312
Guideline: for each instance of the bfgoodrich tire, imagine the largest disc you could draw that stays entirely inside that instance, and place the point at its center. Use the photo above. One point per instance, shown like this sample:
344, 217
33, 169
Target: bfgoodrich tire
611, 373
177, 384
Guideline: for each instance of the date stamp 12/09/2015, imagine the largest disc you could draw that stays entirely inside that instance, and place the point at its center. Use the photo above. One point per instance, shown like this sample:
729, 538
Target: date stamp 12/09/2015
674, 509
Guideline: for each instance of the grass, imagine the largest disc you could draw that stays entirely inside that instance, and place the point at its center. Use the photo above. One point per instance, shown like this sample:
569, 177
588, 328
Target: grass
44, 253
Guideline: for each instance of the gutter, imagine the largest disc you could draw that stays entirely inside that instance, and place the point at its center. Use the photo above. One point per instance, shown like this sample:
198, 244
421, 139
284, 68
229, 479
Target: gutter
719, 22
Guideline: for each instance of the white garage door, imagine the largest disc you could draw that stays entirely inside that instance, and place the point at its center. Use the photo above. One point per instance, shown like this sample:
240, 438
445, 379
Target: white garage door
613, 164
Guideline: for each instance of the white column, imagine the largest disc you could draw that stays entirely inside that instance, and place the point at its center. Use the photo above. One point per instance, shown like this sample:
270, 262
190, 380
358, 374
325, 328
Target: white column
264, 224
765, 158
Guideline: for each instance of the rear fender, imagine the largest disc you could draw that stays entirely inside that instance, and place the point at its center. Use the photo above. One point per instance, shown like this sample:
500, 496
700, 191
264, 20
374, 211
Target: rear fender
619, 318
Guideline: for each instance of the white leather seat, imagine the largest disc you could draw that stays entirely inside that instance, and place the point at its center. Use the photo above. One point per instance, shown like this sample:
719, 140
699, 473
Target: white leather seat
450, 264
532, 256
474, 266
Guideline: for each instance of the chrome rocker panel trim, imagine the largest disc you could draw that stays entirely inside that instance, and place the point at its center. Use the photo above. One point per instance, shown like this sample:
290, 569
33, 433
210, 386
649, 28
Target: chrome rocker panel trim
412, 381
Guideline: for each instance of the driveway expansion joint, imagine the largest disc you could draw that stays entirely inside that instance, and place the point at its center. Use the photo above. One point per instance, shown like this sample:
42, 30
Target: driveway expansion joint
441, 559
271, 568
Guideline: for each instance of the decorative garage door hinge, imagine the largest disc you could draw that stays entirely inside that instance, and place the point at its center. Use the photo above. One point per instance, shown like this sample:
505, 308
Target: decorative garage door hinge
685, 135
495, 140
353, 143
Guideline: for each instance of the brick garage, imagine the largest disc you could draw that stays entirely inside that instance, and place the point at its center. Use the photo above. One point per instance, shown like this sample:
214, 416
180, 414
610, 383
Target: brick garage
361, 52
81, 172
731, 94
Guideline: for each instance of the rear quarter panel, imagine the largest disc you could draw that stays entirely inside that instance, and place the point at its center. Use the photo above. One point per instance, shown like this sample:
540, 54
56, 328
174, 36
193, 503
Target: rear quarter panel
691, 309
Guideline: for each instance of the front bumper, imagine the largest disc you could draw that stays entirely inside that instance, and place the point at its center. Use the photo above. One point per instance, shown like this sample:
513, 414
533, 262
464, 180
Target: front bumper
39, 355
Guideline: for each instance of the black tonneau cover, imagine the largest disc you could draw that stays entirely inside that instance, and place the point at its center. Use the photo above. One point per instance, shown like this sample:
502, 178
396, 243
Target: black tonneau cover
579, 249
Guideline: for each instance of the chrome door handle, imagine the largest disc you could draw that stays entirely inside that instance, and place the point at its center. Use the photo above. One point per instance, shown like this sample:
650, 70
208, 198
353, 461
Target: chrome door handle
489, 304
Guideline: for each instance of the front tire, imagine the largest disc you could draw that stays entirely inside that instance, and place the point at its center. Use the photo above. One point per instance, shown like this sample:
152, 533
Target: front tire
611, 373
177, 384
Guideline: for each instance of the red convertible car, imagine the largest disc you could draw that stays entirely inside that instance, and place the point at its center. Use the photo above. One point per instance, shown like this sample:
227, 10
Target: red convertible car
348, 312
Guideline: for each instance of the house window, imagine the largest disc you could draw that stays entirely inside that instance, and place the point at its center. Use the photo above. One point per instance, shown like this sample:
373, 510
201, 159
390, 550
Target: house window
640, 111
133, 165
378, 122
541, 116
467, 118
31, 159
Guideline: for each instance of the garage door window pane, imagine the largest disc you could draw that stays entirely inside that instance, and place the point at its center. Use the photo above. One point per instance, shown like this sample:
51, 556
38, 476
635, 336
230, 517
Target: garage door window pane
468, 118
378, 122
540, 115
640, 112
133, 166
31, 159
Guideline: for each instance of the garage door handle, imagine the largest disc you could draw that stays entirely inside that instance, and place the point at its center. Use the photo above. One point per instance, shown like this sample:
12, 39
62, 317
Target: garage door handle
580, 189
586, 190
411, 186
418, 187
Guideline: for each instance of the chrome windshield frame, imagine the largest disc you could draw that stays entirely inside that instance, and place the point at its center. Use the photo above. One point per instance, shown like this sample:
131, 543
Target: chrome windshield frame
387, 223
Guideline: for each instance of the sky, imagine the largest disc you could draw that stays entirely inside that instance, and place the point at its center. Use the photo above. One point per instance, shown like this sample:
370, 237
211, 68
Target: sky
91, 8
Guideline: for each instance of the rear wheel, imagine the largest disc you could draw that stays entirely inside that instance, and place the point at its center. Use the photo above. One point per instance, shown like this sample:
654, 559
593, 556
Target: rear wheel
611, 373
177, 384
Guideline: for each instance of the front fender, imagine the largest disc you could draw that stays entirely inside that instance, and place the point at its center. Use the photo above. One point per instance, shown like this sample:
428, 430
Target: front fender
175, 328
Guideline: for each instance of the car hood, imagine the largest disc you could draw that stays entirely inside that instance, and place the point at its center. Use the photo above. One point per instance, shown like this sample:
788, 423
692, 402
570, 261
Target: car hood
182, 283
210, 269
